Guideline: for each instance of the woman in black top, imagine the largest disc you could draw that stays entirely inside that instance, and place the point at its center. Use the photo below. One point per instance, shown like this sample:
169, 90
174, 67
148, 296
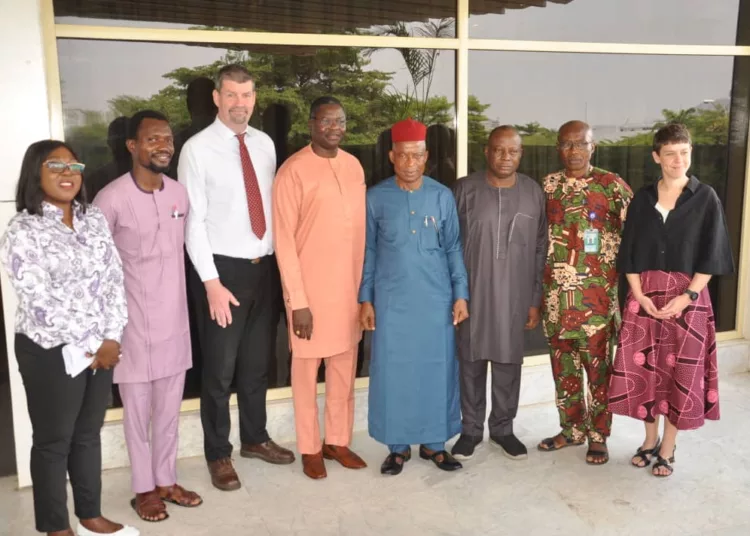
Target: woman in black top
675, 239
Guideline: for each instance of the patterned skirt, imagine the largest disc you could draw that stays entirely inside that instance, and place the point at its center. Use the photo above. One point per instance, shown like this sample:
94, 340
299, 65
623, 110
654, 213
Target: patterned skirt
666, 367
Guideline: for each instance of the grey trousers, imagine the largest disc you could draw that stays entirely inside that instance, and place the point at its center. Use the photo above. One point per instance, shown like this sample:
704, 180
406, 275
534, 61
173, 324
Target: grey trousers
506, 389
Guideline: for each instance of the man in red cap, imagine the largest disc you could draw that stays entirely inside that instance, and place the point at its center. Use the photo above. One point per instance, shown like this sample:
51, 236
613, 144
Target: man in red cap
415, 290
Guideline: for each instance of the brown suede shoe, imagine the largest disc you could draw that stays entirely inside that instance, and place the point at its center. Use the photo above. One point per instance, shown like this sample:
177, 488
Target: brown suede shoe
344, 456
268, 452
223, 475
313, 466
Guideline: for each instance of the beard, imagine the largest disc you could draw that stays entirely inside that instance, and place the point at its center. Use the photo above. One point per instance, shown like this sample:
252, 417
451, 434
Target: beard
238, 116
157, 168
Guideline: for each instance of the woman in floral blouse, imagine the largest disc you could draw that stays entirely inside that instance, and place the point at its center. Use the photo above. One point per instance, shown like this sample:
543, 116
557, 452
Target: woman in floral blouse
68, 278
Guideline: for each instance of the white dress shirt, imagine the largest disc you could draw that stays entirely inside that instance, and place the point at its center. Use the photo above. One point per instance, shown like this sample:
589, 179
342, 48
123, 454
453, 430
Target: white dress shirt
219, 221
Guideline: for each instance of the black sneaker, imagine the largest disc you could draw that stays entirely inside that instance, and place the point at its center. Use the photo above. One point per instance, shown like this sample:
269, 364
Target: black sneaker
512, 447
464, 447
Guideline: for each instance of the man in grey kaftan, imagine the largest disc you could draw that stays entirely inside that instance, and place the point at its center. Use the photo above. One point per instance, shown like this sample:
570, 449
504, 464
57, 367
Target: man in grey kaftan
504, 232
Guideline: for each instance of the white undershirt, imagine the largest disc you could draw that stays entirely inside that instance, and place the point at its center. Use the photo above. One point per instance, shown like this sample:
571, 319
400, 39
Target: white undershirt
663, 211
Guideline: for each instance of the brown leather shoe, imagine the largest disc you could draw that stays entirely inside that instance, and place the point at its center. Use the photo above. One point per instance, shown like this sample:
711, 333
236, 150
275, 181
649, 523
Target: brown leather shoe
268, 452
313, 466
344, 456
223, 475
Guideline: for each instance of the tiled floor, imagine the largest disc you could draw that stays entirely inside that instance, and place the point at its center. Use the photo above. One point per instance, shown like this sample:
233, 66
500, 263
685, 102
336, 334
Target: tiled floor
548, 494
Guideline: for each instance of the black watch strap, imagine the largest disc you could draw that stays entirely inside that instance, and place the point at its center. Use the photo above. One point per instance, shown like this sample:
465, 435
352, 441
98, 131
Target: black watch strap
693, 295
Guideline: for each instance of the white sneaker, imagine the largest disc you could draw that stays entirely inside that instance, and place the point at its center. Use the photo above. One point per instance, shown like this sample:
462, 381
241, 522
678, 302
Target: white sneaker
127, 530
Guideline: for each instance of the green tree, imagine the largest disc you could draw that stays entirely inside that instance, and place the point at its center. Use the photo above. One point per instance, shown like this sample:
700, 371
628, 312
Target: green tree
709, 130
680, 116
90, 138
397, 106
419, 62
535, 134
708, 126
291, 80
477, 130
295, 80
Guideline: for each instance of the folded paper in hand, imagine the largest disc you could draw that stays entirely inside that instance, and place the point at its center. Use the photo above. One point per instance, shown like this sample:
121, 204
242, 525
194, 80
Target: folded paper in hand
76, 360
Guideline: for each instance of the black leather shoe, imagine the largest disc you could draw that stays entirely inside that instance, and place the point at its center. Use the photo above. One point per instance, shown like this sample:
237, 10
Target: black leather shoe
394, 463
441, 458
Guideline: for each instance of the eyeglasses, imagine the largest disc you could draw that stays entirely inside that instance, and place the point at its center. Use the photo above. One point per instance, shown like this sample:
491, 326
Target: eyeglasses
328, 122
59, 167
578, 146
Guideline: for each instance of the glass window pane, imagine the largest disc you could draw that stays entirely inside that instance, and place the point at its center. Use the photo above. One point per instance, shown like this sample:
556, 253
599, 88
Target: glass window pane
609, 92
104, 81
404, 18
694, 22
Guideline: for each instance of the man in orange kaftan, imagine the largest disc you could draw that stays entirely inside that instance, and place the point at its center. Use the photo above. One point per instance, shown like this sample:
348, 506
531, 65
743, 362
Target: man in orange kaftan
319, 235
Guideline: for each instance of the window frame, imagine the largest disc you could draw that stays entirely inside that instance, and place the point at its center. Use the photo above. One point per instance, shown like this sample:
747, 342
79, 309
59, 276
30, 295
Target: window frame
461, 44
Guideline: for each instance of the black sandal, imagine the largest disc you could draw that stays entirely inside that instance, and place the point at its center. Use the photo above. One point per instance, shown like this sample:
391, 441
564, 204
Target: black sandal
549, 445
599, 457
442, 459
394, 463
645, 455
666, 463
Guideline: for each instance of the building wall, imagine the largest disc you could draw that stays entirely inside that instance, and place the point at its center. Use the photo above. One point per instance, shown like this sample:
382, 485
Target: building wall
26, 119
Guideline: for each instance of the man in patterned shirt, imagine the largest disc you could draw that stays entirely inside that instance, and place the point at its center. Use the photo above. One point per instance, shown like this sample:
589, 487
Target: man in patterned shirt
585, 211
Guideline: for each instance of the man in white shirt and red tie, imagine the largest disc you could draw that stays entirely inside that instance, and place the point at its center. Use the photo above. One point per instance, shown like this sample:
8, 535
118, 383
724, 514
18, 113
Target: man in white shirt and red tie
228, 170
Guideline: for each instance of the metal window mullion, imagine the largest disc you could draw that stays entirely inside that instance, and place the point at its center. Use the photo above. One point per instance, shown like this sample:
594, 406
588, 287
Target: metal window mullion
462, 89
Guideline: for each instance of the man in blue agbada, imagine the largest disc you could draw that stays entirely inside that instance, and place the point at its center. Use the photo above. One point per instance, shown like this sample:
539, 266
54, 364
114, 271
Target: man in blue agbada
414, 290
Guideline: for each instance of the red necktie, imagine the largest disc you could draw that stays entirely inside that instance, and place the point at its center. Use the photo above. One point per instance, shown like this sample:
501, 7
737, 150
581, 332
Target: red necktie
254, 200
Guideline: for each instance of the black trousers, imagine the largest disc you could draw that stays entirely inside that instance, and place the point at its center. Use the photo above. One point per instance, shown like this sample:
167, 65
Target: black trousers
506, 390
241, 351
66, 418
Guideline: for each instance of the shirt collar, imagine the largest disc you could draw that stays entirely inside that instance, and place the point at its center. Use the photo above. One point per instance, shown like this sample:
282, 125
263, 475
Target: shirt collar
161, 188
53, 212
224, 131
589, 173
692, 185
486, 180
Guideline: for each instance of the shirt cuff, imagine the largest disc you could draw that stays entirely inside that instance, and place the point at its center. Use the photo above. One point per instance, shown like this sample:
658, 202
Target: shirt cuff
114, 336
296, 301
92, 344
366, 295
207, 273
460, 292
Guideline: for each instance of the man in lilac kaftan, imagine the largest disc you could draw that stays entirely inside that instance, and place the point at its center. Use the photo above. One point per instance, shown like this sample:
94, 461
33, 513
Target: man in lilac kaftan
146, 214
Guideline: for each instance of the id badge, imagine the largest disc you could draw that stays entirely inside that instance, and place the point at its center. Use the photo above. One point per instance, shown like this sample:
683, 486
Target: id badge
591, 241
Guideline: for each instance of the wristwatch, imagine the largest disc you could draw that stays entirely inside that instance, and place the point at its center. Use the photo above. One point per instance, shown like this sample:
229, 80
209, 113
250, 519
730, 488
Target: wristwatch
693, 295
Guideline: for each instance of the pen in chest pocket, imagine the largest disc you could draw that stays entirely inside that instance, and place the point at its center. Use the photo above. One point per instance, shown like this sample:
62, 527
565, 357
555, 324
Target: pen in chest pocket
437, 230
